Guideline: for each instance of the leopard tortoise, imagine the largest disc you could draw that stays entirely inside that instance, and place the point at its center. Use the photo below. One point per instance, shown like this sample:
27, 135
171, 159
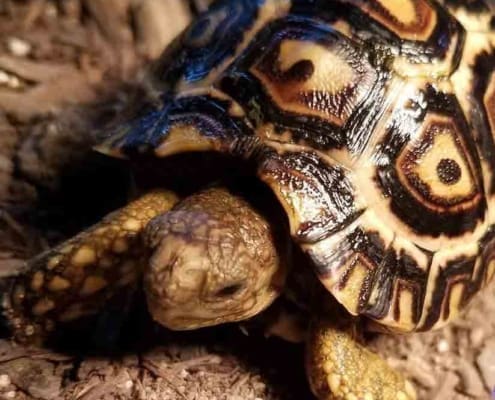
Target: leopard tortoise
372, 122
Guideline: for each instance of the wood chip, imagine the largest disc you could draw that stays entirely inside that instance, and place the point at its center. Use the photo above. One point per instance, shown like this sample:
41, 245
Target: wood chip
108, 387
163, 373
35, 10
447, 387
417, 369
157, 25
11, 267
35, 71
72, 9
470, 378
35, 377
18, 47
4, 381
112, 19
486, 363
48, 97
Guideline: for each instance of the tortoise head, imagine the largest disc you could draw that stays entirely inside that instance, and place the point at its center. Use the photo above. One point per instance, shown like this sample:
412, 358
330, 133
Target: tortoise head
214, 260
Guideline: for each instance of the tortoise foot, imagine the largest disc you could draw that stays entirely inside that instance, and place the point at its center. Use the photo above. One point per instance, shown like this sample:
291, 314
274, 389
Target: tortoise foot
340, 368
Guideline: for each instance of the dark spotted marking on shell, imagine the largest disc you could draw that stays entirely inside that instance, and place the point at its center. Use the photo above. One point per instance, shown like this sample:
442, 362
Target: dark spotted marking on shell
300, 71
449, 171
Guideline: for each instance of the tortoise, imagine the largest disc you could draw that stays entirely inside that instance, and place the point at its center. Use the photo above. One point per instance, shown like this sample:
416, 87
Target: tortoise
371, 122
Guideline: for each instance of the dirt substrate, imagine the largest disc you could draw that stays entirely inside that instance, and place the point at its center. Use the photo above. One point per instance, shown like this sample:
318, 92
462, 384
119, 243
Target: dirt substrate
67, 67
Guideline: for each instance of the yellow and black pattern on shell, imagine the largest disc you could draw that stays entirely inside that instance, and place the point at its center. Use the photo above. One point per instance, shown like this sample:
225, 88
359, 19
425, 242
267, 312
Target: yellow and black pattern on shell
313, 86
372, 121
203, 50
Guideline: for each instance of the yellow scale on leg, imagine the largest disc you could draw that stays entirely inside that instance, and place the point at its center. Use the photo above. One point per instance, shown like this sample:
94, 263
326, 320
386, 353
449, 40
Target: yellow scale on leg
73, 279
340, 368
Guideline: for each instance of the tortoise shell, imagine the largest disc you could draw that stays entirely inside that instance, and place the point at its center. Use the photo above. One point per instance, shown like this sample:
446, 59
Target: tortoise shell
372, 121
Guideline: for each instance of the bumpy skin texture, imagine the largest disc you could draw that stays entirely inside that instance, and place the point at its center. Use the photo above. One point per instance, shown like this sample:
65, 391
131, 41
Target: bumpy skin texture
74, 279
339, 368
215, 259
372, 121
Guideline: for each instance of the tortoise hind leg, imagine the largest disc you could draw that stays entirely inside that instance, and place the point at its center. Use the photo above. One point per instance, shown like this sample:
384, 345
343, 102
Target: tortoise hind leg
340, 368
76, 278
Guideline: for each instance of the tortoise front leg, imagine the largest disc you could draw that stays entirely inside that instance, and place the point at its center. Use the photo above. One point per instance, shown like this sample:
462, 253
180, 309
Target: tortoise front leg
340, 368
75, 279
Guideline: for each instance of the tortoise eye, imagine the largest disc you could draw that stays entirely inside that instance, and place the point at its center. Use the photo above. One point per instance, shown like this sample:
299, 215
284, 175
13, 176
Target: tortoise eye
229, 290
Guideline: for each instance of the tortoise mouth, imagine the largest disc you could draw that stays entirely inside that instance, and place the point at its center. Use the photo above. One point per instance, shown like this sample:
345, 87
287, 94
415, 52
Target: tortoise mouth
198, 314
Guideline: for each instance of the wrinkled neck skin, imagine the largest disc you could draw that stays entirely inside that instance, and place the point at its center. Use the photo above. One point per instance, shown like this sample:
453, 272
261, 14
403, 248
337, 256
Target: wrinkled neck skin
214, 259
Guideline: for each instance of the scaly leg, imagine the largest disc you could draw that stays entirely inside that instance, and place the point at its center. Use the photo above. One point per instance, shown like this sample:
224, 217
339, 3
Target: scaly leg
340, 368
75, 279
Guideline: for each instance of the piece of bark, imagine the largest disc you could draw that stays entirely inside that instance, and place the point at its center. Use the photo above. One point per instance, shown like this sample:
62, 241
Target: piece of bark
35, 377
447, 387
417, 369
10, 267
8, 143
112, 18
158, 22
486, 363
35, 71
49, 97
72, 9
470, 378
35, 10
18, 47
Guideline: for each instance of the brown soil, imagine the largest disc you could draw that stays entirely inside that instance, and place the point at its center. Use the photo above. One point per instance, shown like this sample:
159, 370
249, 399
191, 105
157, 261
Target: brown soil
67, 67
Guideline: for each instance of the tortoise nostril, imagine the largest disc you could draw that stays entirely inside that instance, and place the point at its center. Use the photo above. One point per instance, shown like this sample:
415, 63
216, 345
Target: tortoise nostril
229, 290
